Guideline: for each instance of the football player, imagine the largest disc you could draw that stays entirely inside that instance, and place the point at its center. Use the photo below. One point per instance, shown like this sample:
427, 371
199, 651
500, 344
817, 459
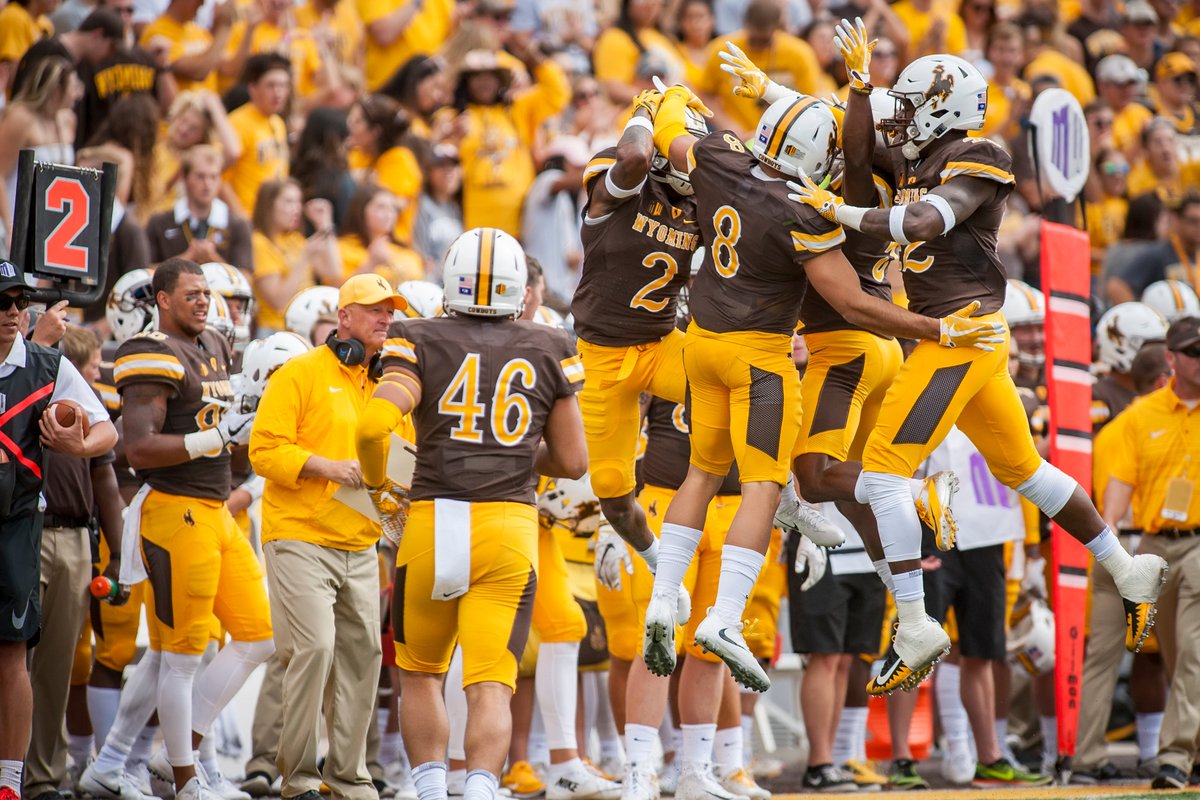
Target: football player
951, 191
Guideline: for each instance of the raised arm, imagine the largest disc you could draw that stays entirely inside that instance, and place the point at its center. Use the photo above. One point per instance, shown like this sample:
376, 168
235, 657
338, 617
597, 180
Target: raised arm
858, 125
635, 154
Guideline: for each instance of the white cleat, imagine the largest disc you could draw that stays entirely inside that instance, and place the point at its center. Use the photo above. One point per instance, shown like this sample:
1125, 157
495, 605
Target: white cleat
958, 767
116, 785
668, 779
1139, 588
696, 782
162, 775
915, 649
582, 784
640, 783
740, 782
933, 507
195, 789
727, 642
219, 785
140, 775
658, 643
806, 519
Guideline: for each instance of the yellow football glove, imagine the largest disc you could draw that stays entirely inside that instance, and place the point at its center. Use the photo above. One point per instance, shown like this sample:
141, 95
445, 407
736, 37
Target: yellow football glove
805, 191
753, 80
851, 40
691, 99
959, 330
391, 501
649, 99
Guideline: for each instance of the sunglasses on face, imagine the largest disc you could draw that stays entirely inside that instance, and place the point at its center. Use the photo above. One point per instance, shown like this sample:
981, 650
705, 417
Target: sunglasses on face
7, 301
1114, 169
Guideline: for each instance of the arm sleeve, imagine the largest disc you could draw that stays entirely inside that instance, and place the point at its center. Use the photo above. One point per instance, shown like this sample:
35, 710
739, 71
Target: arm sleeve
274, 452
70, 385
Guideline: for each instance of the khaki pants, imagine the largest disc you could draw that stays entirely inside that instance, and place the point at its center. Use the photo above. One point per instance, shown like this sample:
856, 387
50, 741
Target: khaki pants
325, 609
1178, 626
66, 570
1101, 662
268, 720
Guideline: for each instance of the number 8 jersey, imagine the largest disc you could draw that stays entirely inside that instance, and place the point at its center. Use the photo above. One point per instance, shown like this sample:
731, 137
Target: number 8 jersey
636, 259
487, 388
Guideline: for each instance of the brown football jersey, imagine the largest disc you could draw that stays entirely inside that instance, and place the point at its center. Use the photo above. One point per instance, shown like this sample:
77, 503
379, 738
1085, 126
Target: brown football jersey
198, 376
1109, 398
668, 449
487, 388
636, 259
944, 274
756, 242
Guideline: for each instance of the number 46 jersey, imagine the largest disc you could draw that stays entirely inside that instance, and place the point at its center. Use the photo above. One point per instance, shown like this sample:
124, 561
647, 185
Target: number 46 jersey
487, 388
636, 259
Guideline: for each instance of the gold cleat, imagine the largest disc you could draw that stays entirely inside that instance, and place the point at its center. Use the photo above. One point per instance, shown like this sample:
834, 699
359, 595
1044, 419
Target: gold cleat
1139, 590
934, 507
925, 647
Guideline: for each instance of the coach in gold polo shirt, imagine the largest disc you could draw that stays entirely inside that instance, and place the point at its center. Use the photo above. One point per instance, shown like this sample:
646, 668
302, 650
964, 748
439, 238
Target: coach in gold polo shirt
322, 567
1158, 472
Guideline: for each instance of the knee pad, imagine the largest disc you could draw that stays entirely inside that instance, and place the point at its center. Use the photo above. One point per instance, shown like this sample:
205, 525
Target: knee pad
892, 503
1049, 488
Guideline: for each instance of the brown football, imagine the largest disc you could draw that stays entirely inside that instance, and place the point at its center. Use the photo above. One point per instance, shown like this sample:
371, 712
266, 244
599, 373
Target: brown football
65, 412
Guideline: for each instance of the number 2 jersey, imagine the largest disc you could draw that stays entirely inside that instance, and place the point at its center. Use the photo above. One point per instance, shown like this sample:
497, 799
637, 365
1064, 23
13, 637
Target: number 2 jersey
197, 375
944, 274
756, 242
487, 388
635, 262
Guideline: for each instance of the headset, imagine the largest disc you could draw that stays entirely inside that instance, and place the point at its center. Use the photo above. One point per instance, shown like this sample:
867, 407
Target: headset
353, 352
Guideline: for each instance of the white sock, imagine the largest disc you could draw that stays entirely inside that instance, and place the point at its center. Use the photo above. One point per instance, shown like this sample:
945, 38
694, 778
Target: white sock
138, 700
884, 571
1050, 738
481, 785
143, 745
747, 738
207, 756
951, 711
557, 692
556, 771
639, 743
79, 747
676, 548
843, 738
788, 496
102, 705
430, 780
456, 707
739, 572
856, 719
456, 779
1148, 727
727, 750
1110, 554
175, 681
1002, 740
221, 679
698, 743
10, 775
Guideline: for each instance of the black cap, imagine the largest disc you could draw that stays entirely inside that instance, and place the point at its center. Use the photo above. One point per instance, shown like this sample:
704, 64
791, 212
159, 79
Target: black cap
1183, 333
11, 276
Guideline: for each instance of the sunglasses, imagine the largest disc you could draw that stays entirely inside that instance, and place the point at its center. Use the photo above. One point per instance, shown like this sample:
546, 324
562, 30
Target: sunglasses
7, 301
1191, 352
1110, 168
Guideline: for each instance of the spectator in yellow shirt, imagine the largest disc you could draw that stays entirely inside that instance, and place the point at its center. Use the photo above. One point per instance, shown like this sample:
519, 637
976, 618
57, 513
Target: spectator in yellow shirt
269, 26
1008, 96
696, 25
260, 129
369, 246
1120, 82
336, 23
1173, 96
397, 30
1054, 52
497, 134
22, 22
933, 27
189, 51
787, 60
377, 126
1107, 210
632, 51
1161, 168
421, 87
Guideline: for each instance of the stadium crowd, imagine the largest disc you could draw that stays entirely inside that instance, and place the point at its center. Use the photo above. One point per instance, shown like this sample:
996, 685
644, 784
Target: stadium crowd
330, 163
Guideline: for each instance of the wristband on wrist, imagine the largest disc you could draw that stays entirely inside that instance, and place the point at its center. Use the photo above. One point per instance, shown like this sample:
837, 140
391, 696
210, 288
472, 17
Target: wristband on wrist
896, 224
639, 122
851, 216
201, 443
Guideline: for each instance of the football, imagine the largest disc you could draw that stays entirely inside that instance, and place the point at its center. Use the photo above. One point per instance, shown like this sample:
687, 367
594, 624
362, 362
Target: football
65, 412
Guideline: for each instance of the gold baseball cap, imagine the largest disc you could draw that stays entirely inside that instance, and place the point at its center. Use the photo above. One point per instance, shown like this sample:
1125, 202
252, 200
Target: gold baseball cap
367, 290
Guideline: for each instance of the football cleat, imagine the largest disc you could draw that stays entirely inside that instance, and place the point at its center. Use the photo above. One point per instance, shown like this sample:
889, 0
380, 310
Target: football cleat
804, 518
915, 650
640, 783
658, 643
866, 778
933, 507
108, 785
1139, 588
523, 781
740, 782
726, 641
580, 783
696, 782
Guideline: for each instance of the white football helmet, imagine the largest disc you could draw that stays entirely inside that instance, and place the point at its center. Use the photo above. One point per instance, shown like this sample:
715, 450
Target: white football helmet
1023, 304
1031, 640
660, 166
1122, 331
424, 299
261, 358
219, 318
485, 274
131, 305
933, 95
571, 504
1173, 299
230, 283
797, 134
545, 315
300, 316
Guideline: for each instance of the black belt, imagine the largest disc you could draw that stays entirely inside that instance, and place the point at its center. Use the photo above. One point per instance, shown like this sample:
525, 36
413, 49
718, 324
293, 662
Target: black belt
1178, 533
56, 521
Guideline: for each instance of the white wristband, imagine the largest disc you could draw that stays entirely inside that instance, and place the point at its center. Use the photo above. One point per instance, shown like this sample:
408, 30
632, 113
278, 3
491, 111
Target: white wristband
650, 556
943, 207
851, 216
201, 443
776, 91
254, 486
619, 192
639, 122
896, 225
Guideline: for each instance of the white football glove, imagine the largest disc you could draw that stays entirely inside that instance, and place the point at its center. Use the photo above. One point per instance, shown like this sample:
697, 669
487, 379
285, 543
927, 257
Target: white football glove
811, 562
235, 427
612, 558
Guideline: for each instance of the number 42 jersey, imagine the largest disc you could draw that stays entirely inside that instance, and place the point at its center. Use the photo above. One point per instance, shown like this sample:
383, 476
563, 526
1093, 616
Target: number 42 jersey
487, 388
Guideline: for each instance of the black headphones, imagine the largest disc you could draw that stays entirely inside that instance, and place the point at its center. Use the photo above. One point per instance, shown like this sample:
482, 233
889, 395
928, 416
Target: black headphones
352, 353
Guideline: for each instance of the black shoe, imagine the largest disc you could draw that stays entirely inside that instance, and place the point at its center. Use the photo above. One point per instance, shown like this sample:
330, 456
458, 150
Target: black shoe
827, 778
257, 784
1169, 778
1194, 779
52, 794
1105, 774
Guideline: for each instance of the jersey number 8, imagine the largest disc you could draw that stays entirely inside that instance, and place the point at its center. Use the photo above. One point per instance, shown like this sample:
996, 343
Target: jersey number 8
727, 225
461, 400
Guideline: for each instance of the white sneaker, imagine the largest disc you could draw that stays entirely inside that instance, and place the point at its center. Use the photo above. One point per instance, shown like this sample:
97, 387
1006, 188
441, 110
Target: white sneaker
1139, 588
696, 782
74, 771
658, 642
807, 519
140, 775
915, 649
740, 782
726, 641
580, 783
933, 507
162, 775
640, 783
221, 785
195, 789
668, 779
958, 767
115, 785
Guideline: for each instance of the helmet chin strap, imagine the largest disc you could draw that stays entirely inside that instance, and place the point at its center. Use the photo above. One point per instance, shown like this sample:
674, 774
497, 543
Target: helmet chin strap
911, 150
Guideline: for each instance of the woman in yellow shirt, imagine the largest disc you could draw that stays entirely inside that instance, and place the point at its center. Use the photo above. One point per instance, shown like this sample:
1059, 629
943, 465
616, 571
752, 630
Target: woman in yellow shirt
635, 49
284, 261
421, 87
369, 245
377, 126
696, 24
1106, 211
